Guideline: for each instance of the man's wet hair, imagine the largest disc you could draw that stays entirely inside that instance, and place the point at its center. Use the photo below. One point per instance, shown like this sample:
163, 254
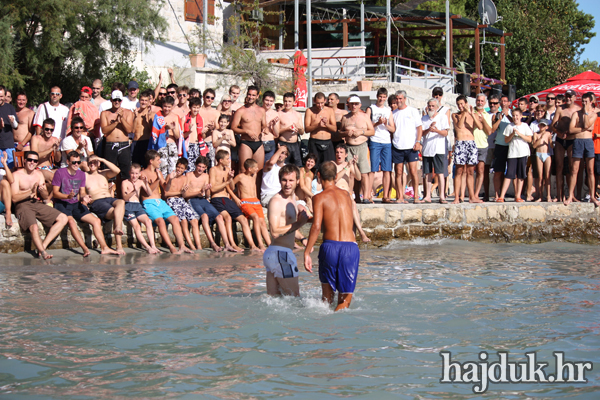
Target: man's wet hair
184, 89
49, 121
342, 146
202, 160
463, 98
183, 161
288, 169
172, 86
73, 154
32, 153
168, 100
151, 155
249, 163
328, 171
319, 95
288, 95
560, 97
195, 101
253, 87
221, 154
209, 90
270, 94
149, 93
77, 120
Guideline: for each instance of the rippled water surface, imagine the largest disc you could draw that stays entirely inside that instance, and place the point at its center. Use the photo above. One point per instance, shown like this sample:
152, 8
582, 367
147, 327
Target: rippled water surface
201, 326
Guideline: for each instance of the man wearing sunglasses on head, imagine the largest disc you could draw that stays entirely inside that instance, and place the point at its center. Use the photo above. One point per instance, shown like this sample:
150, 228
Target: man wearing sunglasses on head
27, 186
52, 109
47, 147
116, 124
560, 125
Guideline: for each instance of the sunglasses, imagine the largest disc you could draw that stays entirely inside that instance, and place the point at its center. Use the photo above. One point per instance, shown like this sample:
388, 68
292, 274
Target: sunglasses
533, 101
182, 95
209, 98
33, 160
226, 101
117, 100
173, 92
48, 129
550, 98
55, 94
75, 162
162, 94
77, 128
494, 103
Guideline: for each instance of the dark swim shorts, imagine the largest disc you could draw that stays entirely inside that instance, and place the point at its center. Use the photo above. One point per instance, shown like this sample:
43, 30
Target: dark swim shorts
338, 265
226, 204
101, 207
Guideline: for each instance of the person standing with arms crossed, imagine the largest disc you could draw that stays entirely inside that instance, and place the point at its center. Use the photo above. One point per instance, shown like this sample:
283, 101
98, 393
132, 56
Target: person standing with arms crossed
339, 254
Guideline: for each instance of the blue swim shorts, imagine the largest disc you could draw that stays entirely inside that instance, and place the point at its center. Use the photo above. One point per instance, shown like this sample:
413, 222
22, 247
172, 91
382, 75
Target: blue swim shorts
338, 265
158, 208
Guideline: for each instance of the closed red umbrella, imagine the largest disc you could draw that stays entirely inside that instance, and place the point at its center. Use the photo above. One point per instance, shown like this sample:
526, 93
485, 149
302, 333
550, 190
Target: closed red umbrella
300, 89
588, 81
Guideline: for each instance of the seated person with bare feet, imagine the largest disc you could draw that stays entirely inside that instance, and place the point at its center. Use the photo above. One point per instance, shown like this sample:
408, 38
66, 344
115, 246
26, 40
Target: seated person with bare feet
285, 218
134, 212
198, 183
27, 185
157, 208
175, 188
249, 203
221, 182
103, 204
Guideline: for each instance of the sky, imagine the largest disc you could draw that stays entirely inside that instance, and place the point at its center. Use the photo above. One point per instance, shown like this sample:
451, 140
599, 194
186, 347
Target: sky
592, 49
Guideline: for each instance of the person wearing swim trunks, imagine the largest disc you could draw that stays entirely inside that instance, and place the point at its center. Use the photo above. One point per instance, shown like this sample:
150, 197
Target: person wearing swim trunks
339, 254
542, 143
156, 208
581, 129
134, 212
198, 183
249, 122
272, 116
175, 188
116, 124
249, 203
465, 149
71, 198
561, 126
289, 128
28, 183
285, 218
103, 204
166, 131
320, 122
221, 182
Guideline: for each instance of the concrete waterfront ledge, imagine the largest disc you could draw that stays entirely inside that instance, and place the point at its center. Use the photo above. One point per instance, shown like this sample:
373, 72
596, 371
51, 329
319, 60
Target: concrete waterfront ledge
486, 222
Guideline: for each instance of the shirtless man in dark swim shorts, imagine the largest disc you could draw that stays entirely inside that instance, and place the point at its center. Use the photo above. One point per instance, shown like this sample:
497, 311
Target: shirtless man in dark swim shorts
249, 121
339, 254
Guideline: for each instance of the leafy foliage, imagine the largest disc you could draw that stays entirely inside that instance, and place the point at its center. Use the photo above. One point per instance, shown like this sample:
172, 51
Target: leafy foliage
588, 65
121, 69
63, 42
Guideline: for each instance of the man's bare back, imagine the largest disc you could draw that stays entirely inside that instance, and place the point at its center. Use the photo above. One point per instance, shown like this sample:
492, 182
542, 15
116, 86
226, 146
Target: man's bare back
334, 206
25, 128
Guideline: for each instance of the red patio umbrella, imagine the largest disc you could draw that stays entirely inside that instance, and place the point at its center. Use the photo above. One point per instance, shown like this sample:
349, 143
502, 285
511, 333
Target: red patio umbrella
300, 88
588, 81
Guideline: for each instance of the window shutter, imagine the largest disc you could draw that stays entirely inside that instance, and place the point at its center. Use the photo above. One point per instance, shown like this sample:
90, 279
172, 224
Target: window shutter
193, 11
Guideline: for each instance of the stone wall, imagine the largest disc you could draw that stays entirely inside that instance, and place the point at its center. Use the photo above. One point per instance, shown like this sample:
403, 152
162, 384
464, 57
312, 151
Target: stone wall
487, 222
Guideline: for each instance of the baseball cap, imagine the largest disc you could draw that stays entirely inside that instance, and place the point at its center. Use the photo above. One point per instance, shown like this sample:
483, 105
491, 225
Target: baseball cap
533, 96
86, 89
354, 99
116, 95
133, 85
570, 92
544, 121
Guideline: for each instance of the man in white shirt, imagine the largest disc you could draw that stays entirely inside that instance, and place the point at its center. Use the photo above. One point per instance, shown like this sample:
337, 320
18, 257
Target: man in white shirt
131, 102
52, 109
78, 142
435, 131
406, 144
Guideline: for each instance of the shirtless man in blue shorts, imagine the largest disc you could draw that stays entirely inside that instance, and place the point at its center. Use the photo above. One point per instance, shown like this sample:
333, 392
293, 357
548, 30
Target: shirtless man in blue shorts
339, 254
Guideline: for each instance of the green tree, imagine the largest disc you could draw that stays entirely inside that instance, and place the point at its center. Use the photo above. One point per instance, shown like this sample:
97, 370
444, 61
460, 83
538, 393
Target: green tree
588, 65
121, 69
67, 43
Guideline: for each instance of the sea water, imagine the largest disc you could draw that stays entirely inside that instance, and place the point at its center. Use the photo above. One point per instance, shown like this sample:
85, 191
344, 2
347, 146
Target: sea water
201, 326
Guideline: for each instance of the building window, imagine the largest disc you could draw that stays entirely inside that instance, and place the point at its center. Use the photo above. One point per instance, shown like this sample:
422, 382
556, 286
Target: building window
193, 11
